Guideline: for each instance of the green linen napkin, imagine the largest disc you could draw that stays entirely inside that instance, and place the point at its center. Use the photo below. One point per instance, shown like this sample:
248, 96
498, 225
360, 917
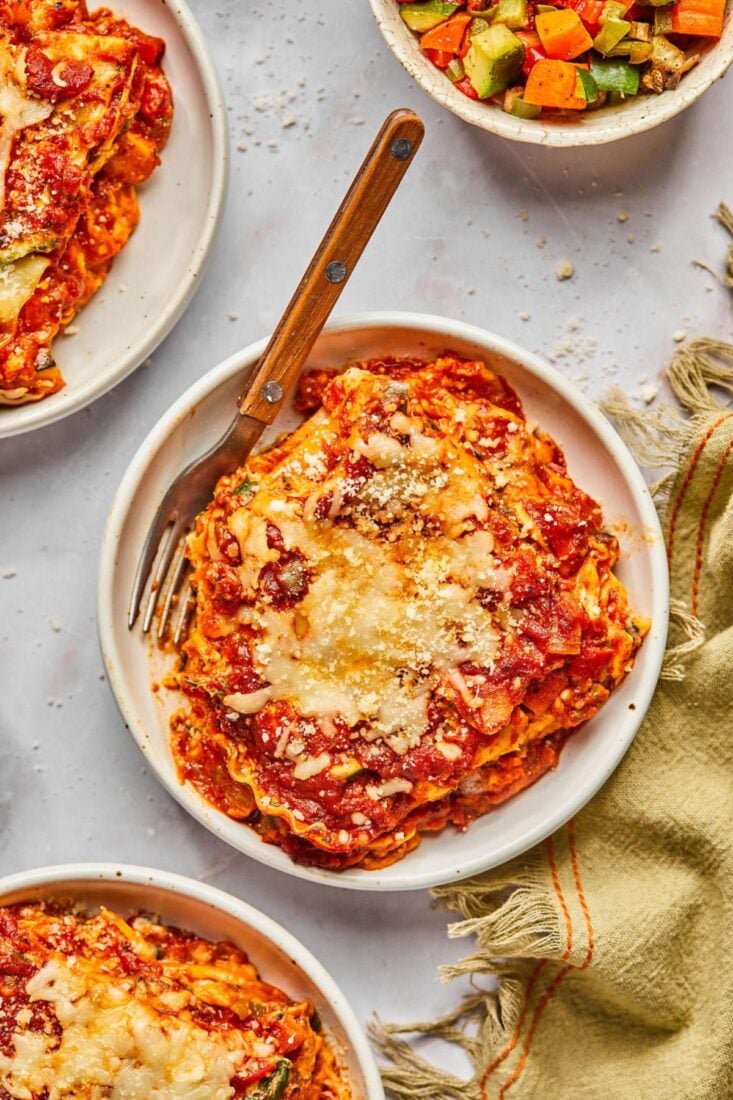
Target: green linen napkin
612, 942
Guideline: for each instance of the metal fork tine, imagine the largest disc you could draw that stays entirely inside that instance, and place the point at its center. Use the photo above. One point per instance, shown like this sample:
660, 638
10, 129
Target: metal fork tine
167, 549
186, 606
178, 567
163, 519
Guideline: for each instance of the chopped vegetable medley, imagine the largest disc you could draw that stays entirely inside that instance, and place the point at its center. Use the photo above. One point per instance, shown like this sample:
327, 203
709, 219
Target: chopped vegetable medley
571, 55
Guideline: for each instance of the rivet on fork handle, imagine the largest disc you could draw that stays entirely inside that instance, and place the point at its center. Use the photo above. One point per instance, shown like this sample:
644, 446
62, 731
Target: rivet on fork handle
272, 392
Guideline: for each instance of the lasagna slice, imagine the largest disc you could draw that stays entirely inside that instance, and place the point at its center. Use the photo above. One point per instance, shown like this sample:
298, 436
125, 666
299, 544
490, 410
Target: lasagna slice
403, 609
85, 111
94, 1005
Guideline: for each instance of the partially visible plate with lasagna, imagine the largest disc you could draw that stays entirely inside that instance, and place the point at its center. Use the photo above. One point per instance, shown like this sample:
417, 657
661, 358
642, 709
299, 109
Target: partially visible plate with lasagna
94, 177
135, 983
428, 615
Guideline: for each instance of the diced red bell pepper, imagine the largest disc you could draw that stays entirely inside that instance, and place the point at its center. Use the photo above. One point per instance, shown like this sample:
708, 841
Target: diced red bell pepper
440, 58
532, 55
466, 87
590, 12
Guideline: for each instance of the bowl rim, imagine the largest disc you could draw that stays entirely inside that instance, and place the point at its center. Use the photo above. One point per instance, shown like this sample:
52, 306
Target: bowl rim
654, 645
47, 411
250, 917
533, 131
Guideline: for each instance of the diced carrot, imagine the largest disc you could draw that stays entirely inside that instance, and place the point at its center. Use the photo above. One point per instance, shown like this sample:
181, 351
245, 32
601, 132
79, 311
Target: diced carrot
551, 83
446, 36
701, 17
562, 34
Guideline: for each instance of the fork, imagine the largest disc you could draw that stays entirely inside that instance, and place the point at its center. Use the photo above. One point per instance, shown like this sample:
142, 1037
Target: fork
163, 560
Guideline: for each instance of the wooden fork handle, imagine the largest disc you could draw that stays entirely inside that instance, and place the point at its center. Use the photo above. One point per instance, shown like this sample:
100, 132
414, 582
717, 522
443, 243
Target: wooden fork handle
358, 216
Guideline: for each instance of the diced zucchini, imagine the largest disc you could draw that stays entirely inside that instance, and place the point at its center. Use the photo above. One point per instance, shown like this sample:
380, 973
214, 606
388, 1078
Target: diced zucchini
478, 26
454, 69
512, 13
494, 60
425, 16
666, 56
586, 87
610, 34
615, 76
18, 282
544, 8
658, 3
347, 769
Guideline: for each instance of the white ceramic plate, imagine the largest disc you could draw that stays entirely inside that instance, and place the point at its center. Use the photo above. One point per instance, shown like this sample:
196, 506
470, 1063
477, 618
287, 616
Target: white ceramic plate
591, 128
156, 274
279, 957
597, 459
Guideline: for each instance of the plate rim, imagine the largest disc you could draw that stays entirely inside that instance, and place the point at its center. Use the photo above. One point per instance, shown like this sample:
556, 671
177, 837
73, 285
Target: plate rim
247, 914
47, 411
209, 817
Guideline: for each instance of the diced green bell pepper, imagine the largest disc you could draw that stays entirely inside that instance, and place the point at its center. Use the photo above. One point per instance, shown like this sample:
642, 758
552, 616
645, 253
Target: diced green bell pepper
612, 10
610, 34
515, 105
512, 13
586, 88
520, 109
623, 49
425, 16
615, 76
494, 60
640, 52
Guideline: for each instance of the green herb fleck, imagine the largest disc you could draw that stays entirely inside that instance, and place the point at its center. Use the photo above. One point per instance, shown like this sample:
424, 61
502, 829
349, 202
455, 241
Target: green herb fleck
246, 486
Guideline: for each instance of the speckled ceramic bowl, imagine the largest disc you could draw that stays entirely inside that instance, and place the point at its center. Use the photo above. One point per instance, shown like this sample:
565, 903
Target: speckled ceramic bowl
278, 955
591, 127
596, 458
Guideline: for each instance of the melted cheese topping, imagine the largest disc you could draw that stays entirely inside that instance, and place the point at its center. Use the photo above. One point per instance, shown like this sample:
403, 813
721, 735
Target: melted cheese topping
136, 1011
370, 618
401, 594
113, 1045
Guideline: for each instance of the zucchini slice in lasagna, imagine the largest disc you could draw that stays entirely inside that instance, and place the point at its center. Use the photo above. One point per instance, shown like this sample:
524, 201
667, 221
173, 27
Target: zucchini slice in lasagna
403, 609
85, 110
94, 1005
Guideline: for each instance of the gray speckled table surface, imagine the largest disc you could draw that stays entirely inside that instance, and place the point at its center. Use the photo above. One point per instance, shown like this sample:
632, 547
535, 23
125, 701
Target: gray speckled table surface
477, 232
